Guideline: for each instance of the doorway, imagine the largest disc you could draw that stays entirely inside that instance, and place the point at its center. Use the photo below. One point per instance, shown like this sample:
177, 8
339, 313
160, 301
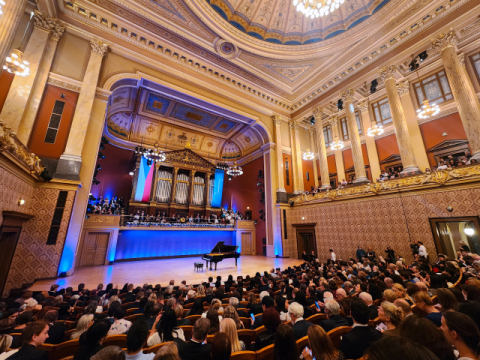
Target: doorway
246, 239
94, 249
306, 239
451, 234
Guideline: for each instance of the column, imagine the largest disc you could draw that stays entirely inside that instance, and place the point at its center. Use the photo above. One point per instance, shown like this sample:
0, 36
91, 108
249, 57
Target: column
30, 112
358, 163
12, 13
294, 157
364, 108
462, 89
413, 128
298, 187
281, 192
174, 184
339, 164
19, 93
322, 150
312, 146
192, 185
71, 160
399, 122
206, 197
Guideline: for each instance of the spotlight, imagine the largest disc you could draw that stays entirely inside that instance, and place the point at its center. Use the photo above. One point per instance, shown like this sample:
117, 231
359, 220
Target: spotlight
260, 190
62, 96
149, 162
91, 198
136, 150
340, 104
312, 121
86, 218
423, 55
413, 65
95, 181
104, 140
99, 167
373, 86
229, 177
102, 147
255, 222
260, 174
260, 211
100, 156
21, 202
259, 184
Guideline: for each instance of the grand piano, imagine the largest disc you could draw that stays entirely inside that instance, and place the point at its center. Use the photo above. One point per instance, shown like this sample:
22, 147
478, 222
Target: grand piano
220, 252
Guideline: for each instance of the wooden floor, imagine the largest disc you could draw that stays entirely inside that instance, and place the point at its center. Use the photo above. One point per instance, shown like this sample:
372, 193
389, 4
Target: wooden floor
162, 271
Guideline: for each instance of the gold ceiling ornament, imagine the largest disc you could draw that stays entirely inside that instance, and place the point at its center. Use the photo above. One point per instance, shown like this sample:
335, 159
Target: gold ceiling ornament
16, 65
317, 8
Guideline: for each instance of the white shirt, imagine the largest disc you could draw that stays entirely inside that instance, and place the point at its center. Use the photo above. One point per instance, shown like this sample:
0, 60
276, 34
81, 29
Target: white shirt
155, 338
422, 251
442, 167
333, 256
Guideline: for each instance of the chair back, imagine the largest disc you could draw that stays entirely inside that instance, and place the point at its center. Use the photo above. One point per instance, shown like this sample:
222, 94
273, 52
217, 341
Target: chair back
247, 322
210, 338
193, 319
301, 343
154, 349
50, 349
118, 340
68, 333
67, 358
132, 318
267, 353
243, 355
336, 335
247, 336
70, 324
187, 331
65, 349
259, 330
317, 318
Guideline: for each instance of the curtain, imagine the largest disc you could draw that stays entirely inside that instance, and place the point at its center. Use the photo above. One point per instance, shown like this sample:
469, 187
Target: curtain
198, 190
181, 197
164, 186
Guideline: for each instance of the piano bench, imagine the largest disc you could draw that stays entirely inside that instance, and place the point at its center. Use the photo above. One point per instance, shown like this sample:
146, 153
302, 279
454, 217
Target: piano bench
198, 266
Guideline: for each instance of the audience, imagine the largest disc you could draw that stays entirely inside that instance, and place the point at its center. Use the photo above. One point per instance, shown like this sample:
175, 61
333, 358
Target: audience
462, 333
300, 326
82, 325
165, 329
91, 340
109, 353
56, 332
221, 347
332, 310
136, 339
424, 302
391, 316
195, 349
320, 345
394, 348
34, 335
228, 327
285, 344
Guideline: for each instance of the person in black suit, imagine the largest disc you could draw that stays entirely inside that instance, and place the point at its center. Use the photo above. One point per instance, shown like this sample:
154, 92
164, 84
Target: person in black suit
300, 326
56, 331
136, 303
372, 309
130, 297
332, 309
267, 302
140, 309
33, 336
195, 349
357, 341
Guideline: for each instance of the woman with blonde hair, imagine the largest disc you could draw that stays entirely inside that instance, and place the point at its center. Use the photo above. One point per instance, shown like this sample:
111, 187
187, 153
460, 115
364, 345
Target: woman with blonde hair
391, 316
200, 290
231, 313
5, 343
152, 298
112, 299
82, 325
320, 345
228, 326
389, 295
401, 293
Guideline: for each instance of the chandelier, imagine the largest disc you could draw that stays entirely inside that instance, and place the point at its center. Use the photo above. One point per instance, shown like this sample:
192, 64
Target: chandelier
428, 110
16, 65
337, 145
317, 8
2, 3
152, 155
375, 130
234, 170
308, 155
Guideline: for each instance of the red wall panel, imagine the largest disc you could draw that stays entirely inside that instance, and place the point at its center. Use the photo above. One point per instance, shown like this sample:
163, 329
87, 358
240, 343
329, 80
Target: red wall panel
307, 165
6, 79
387, 146
289, 187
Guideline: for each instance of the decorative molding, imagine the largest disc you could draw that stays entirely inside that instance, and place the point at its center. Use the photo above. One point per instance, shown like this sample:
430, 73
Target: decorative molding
403, 87
42, 21
461, 57
445, 40
317, 113
388, 72
57, 31
276, 119
64, 82
294, 126
363, 106
347, 95
102, 94
99, 48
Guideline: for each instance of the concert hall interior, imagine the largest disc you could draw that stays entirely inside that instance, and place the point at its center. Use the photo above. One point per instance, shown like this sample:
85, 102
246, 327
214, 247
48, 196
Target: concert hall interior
197, 138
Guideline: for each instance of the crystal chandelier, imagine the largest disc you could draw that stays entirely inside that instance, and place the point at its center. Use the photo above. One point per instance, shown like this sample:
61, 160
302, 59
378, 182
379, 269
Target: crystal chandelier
308, 155
317, 8
234, 170
152, 155
428, 110
16, 65
2, 3
375, 130
337, 145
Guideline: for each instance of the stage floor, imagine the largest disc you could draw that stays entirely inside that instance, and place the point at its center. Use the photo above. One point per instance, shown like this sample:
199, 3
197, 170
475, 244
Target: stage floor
162, 271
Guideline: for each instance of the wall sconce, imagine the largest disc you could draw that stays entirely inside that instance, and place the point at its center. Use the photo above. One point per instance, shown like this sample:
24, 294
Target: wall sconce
303, 218
21, 202
248, 207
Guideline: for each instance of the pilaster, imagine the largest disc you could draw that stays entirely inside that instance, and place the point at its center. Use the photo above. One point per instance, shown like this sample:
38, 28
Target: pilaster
322, 150
281, 192
364, 108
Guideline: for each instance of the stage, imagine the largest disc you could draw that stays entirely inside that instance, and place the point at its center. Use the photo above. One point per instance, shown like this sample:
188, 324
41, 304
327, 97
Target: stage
162, 271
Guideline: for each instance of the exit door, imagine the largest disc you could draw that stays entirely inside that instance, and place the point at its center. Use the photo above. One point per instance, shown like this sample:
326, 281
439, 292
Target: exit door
94, 249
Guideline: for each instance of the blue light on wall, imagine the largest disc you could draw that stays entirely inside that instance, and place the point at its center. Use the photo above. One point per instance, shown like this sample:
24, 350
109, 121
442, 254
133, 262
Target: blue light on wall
218, 188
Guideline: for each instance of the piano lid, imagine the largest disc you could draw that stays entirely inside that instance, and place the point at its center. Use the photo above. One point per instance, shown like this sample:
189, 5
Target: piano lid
221, 248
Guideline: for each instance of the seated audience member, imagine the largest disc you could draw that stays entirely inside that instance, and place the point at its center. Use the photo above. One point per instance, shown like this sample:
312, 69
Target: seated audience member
404, 306
254, 306
221, 347
195, 349
358, 340
233, 301
169, 351
332, 310
228, 327
197, 308
120, 325
389, 295
56, 332
300, 298
320, 345
271, 321
401, 293
424, 332
165, 329
179, 313
462, 333
141, 306
471, 309
280, 302
231, 313
82, 325
91, 340
285, 343
395, 348
373, 310
213, 317
391, 316
34, 335
136, 339
109, 353
424, 302
152, 313
136, 304
267, 302
446, 300
5, 344
300, 326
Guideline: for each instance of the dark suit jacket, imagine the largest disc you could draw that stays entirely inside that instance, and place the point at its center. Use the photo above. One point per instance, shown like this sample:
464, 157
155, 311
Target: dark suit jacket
263, 288
135, 305
258, 322
255, 309
300, 328
29, 352
242, 313
183, 322
373, 312
358, 340
192, 350
56, 334
129, 298
334, 322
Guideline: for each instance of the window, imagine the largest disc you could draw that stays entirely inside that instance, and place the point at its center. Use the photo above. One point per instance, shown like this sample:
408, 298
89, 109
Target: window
359, 123
57, 218
435, 88
476, 65
344, 125
54, 122
287, 173
327, 134
381, 111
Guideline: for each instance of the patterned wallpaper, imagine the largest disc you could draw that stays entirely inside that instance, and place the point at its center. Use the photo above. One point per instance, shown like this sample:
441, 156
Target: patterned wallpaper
379, 222
33, 258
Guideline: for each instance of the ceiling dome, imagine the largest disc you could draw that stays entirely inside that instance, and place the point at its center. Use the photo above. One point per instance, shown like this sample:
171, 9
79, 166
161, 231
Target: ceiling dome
278, 21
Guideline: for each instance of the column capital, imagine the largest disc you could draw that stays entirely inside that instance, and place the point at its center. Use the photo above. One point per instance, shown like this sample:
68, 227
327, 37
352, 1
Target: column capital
42, 21
461, 57
99, 48
57, 31
363, 106
317, 113
388, 72
276, 119
294, 126
403, 87
347, 95
444, 40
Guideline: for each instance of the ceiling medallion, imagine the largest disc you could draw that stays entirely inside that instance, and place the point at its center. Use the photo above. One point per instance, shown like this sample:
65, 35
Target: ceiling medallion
226, 49
234, 170
308, 155
317, 8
